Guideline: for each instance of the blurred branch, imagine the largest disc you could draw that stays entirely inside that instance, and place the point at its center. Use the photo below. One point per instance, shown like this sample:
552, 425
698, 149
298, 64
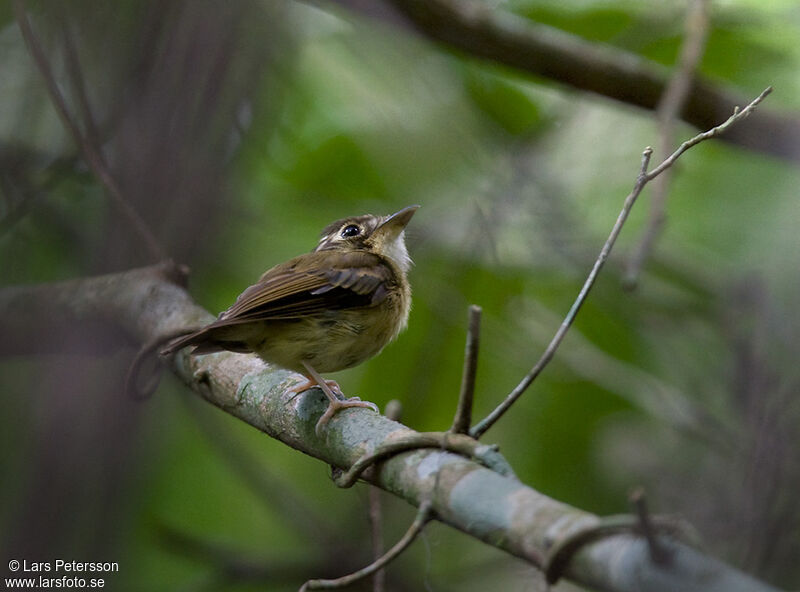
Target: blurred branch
393, 411
28, 193
642, 180
286, 502
75, 73
667, 114
232, 565
511, 40
145, 303
376, 526
416, 527
91, 152
653, 396
20, 207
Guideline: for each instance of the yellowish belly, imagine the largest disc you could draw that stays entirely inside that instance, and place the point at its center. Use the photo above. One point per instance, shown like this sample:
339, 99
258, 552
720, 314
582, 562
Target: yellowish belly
332, 342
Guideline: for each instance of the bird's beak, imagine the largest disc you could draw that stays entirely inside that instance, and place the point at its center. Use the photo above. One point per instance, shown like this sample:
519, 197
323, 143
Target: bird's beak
396, 223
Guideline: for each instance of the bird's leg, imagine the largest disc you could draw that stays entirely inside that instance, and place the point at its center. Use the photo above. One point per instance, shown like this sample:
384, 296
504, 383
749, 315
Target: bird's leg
311, 383
334, 403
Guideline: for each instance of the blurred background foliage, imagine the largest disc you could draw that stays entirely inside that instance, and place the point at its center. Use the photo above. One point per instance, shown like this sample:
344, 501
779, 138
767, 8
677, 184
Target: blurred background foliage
239, 130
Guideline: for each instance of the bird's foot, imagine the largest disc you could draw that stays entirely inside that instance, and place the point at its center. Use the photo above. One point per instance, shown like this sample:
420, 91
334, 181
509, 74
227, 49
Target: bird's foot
335, 406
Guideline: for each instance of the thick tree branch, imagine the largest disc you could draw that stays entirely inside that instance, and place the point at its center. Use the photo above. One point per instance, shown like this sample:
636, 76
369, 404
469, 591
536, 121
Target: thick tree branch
508, 39
498, 510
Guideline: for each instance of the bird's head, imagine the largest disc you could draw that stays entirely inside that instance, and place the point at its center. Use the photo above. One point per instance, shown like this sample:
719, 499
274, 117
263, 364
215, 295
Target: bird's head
382, 235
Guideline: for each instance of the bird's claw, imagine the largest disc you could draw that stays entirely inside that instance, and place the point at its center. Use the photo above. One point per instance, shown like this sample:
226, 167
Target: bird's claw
335, 406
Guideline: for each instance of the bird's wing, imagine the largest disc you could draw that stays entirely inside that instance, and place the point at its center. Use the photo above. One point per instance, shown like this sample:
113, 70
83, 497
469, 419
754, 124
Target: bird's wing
303, 287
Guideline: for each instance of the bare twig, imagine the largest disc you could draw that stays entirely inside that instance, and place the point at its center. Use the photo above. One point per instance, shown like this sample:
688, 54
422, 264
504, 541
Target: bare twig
461, 444
562, 552
738, 115
642, 179
463, 418
548, 354
667, 114
91, 153
423, 515
658, 553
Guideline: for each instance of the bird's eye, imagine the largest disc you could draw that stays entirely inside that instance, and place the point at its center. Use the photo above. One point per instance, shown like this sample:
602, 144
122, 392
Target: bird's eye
350, 230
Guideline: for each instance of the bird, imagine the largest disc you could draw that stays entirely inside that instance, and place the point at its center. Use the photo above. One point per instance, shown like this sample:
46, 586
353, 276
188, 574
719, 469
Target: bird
323, 311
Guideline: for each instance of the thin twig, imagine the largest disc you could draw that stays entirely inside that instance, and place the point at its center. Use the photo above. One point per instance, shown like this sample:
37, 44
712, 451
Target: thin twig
658, 553
423, 514
92, 155
463, 417
668, 113
642, 179
497, 413
461, 444
738, 115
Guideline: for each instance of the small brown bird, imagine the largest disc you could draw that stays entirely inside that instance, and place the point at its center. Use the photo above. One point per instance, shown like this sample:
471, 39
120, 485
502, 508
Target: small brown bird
322, 311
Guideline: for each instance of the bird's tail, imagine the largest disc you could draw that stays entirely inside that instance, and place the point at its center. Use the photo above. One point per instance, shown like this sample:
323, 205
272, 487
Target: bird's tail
172, 342
207, 340
177, 342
